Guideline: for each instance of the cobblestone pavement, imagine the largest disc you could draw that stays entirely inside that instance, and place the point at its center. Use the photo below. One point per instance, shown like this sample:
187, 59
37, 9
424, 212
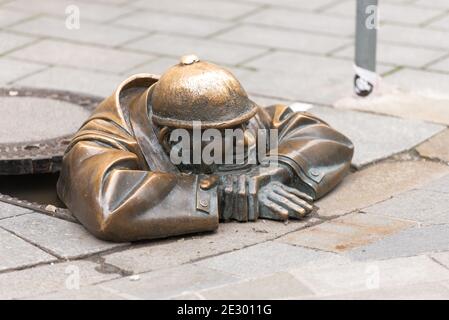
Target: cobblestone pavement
383, 233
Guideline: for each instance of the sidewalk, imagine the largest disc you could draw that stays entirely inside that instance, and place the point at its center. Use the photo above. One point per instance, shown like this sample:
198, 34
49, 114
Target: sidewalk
383, 233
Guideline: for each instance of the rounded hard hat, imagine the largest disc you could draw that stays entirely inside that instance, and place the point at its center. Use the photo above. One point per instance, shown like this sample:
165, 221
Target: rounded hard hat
195, 90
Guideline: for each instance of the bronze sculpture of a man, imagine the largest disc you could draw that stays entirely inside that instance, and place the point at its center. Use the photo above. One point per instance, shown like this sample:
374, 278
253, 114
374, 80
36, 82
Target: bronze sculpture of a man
119, 179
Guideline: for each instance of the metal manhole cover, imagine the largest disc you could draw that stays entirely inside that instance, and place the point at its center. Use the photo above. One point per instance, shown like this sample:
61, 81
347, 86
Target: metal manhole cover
36, 126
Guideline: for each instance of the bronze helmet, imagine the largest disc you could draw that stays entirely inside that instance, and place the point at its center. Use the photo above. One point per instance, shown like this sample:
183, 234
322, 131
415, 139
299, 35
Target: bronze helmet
195, 90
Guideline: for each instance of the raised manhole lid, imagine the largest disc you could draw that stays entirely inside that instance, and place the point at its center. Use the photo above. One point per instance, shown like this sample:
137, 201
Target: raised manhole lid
36, 125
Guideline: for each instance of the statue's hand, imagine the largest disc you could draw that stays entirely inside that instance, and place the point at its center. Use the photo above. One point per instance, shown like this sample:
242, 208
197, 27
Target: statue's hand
280, 202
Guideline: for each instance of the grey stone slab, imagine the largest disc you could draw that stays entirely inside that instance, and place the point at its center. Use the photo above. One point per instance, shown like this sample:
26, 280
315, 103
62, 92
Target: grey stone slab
39, 118
283, 39
420, 291
16, 253
425, 206
442, 23
442, 4
436, 147
406, 14
8, 210
302, 77
89, 32
414, 36
426, 83
442, 257
167, 283
10, 41
281, 285
362, 276
88, 82
163, 22
208, 8
209, 50
377, 183
266, 258
81, 56
88, 10
410, 242
62, 277
344, 8
168, 253
13, 70
376, 137
93, 292
346, 233
62, 238
9, 17
438, 185
398, 55
422, 103
305, 5
305, 21
442, 65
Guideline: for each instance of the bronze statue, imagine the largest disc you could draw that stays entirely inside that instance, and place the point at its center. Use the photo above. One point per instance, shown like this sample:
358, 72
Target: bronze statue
119, 179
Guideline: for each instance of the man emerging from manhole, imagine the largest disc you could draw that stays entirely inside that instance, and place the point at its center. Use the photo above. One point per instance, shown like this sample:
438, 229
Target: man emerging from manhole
176, 155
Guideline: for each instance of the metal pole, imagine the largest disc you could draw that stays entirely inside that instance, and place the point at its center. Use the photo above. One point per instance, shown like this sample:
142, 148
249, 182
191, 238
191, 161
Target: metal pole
365, 47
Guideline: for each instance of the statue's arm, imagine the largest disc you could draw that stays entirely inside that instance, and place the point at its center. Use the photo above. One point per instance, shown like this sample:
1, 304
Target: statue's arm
318, 154
104, 185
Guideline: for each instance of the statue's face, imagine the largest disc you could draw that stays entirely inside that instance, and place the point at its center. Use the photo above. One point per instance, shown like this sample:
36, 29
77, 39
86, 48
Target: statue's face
210, 150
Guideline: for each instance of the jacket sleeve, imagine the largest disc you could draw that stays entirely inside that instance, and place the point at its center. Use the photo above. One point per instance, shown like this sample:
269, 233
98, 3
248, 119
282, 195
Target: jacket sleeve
104, 184
319, 155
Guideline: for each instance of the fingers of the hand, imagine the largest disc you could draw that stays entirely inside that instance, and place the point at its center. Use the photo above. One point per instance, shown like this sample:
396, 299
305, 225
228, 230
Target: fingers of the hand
241, 195
287, 204
294, 198
272, 210
227, 197
298, 193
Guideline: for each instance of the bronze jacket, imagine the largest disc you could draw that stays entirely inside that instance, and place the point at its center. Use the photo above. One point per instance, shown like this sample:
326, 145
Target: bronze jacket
121, 186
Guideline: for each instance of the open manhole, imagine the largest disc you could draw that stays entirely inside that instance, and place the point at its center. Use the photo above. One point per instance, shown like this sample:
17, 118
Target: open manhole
35, 127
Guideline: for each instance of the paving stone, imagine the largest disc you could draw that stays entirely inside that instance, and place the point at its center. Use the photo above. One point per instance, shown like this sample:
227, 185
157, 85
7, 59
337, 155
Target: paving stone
8, 210
10, 41
436, 147
341, 8
94, 292
81, 56
166, 283
16, 253
409, 242
406, 14
428, 207
281, 285
433, 4
398, 55
209, 50
307, 5
362, 276
305, 21
414, 36
442, 65
35, 115
430, 84
283, 39
266, 258
302, 77
167, 253
420, 291
377, 183
442, 23
438, 185
376, 137
421, 104
87, 9
48, 278
164, 22
62, 238
9, 17
208, 8
88, 82
442, 257
346, 233
89, 32
13, 70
